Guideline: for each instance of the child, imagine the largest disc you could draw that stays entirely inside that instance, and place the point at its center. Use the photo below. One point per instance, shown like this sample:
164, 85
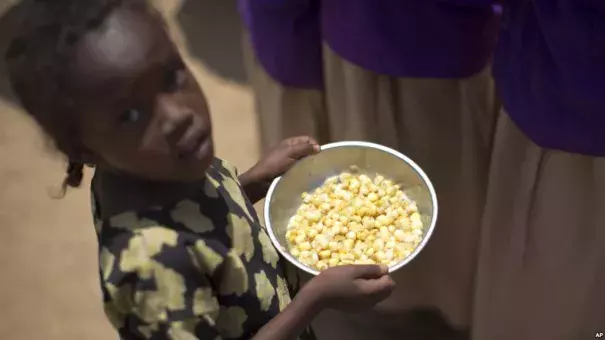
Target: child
182, 254
542, 258
282, 48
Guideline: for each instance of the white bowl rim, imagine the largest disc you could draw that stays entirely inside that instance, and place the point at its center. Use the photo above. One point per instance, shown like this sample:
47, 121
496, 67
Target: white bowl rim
284, 252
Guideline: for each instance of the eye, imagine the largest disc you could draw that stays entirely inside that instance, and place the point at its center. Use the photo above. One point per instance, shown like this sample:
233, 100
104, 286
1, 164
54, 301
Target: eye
130, 116
175, 78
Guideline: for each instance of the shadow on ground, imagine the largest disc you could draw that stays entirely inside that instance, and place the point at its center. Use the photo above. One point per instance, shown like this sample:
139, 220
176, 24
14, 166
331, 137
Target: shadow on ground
214, 31
8, 24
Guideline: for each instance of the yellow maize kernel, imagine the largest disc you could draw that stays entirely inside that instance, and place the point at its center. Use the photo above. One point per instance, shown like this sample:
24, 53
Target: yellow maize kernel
355, 227
389, 245
313, 259
416, 225
361, 236
333, 262
385, 237
348, 245
301, 238
321, 265
389, 255
378, 245
347, 257
304, 246
322, 241
399, 235
364, 190
335, 230
373, 197
325, 254
409, 238
414, 216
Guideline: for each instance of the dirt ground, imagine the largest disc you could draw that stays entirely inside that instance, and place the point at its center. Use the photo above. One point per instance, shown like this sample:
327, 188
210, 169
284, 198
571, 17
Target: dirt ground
48, 252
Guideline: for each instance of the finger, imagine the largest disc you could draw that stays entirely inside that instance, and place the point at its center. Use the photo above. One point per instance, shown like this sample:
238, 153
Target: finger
382, 287
303, 140
370, 271
298, 151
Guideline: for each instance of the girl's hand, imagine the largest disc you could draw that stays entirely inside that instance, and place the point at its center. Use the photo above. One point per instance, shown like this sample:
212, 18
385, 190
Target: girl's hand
348, 288
282, 157
275, 163
352, 288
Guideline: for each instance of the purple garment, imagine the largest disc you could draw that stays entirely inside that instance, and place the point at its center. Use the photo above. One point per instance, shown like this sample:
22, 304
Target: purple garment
550, 72
412, 38
286, 38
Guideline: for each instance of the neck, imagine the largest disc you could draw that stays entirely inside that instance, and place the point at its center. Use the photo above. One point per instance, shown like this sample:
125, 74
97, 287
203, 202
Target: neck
119, 193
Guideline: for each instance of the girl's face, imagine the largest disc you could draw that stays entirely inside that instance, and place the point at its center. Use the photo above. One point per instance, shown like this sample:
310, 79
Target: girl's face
139, 109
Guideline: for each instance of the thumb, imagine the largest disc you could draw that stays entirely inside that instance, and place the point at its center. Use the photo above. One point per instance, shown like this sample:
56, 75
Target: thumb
302, 149
369, 271
382, 286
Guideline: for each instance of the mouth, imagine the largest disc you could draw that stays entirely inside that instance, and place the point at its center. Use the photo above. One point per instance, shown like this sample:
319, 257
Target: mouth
198, 149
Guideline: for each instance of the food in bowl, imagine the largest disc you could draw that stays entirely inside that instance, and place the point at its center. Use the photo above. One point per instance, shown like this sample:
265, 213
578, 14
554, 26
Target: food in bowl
354, 219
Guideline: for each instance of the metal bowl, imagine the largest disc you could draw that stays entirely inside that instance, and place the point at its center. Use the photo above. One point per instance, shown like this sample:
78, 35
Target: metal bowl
284, 196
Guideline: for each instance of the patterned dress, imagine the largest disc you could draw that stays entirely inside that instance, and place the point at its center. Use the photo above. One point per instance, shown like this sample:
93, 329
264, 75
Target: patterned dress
202, 268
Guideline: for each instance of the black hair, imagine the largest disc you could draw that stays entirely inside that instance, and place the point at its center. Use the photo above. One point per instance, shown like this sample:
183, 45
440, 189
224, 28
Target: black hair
38, 58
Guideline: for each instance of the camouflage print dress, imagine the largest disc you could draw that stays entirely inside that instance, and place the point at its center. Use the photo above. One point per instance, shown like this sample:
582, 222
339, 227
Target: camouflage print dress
202, 268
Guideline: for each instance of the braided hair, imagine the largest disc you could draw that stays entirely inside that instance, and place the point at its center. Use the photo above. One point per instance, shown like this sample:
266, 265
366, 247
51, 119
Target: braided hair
38, 58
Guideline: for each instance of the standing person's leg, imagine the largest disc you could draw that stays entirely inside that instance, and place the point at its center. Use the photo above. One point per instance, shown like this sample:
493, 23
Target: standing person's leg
542, 264
283, 111
446, 125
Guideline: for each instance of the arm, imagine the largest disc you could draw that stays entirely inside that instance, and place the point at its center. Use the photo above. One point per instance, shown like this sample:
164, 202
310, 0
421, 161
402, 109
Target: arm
254, 187
290, 323
276, 162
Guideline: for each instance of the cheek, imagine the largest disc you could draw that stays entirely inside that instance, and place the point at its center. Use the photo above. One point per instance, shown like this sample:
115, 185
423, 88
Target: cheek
129, 150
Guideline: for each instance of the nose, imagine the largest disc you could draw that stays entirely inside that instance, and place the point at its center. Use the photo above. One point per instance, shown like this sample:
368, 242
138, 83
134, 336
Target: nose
182, 129
173, 117
169, 121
